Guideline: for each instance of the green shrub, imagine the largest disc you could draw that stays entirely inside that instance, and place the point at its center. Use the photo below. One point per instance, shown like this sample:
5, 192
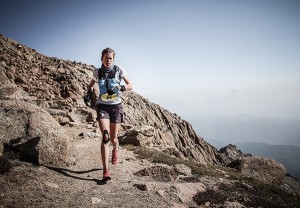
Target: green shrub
211, 196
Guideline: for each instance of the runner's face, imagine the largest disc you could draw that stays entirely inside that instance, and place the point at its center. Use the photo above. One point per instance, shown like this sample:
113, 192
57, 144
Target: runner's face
108, 59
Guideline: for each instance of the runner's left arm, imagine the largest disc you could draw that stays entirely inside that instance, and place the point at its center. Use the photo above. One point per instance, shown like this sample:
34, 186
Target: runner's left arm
128, 85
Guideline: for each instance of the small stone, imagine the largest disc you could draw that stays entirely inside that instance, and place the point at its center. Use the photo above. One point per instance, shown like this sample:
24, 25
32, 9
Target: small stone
161, 193
50, 184
142, 186
96, 200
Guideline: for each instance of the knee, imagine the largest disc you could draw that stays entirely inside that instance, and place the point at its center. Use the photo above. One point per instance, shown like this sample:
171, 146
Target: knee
105, 137
114, 139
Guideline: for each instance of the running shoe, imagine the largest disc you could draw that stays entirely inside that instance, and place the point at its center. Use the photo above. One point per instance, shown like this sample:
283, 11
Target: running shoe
114, 157
106, 175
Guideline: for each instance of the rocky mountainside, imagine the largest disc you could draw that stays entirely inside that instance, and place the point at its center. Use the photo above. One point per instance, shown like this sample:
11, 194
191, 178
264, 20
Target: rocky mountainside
44, 121
58, 87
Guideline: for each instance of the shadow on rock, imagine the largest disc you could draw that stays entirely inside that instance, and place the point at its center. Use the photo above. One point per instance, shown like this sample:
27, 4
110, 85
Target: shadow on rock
24, 151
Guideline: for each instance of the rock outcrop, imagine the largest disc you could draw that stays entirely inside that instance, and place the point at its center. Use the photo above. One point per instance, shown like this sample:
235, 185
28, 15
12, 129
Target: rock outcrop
153, 126
51, 82
264, 169
261, 168
231, 153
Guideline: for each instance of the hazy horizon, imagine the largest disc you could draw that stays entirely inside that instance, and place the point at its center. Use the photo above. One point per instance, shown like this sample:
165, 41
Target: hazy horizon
191, 57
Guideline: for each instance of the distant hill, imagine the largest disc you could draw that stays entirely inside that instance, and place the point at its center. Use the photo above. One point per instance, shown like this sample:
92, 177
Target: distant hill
220, 130
288, 155
278, 139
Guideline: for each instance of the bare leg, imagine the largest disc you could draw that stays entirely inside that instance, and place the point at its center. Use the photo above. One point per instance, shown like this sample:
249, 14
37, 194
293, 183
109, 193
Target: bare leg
114, 128
104, 125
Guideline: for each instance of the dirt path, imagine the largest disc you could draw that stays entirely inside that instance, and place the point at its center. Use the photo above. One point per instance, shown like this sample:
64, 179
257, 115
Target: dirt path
80, 184
120, 191
86, 188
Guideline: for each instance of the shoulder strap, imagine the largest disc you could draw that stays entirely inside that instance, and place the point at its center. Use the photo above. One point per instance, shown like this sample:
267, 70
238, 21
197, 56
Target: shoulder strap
111, 74
101, 74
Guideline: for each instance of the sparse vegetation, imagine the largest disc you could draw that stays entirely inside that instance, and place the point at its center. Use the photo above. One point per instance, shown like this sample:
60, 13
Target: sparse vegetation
211, 196
161, 157
258, 195
247, 191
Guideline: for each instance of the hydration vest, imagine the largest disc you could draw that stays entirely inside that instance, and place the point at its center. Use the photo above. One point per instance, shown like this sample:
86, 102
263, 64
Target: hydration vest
108, 84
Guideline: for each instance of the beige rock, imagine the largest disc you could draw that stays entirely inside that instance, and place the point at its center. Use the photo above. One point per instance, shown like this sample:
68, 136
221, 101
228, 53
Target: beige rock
33, 132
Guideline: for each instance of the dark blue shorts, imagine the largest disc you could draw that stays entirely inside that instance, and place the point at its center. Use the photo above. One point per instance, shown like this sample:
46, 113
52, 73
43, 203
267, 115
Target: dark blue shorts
112, 112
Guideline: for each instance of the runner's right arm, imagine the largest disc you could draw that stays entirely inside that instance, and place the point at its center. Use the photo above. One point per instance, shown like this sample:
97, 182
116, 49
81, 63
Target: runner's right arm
91, 84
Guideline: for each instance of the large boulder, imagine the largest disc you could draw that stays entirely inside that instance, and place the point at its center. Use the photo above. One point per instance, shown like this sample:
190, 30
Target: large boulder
32, 133
230, 153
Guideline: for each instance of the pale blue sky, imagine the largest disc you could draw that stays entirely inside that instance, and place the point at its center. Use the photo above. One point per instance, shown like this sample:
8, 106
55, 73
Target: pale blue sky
189, 56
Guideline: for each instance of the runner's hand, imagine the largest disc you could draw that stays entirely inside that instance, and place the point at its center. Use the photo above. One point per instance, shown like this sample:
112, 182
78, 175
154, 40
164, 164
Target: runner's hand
88, 96
122, 88
116, 89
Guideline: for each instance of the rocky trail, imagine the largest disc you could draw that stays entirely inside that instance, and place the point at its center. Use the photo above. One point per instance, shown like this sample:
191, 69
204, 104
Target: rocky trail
80, 184
135, 182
